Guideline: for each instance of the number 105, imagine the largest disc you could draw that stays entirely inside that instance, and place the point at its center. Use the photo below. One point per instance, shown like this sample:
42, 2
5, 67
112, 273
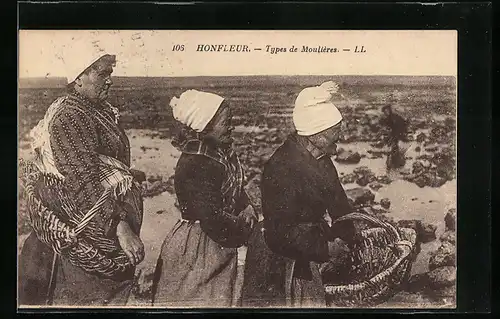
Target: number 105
178, 47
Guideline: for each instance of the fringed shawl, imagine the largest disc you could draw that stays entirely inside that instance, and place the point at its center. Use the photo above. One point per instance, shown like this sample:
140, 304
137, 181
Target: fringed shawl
58, 220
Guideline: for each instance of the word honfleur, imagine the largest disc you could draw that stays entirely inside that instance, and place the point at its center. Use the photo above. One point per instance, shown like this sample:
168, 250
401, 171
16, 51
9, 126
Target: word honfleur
275, 50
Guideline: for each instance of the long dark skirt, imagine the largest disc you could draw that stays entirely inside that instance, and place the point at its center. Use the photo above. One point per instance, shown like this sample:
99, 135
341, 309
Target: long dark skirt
269, 280
35, 265
71, 286
307, 293
194, 271
75, 287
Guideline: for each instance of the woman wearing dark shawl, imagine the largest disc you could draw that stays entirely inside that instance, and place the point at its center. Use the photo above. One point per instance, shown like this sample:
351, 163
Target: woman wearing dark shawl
81, 142
197, 265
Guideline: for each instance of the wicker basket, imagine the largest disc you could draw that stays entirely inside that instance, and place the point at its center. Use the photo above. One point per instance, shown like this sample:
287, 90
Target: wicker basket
58, 222
381, 258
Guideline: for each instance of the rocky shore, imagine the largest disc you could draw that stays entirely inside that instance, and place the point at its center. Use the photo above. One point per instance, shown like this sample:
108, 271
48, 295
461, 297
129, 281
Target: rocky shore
439, 283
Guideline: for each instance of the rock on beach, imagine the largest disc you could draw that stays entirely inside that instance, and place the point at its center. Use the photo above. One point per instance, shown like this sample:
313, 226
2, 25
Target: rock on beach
360, 196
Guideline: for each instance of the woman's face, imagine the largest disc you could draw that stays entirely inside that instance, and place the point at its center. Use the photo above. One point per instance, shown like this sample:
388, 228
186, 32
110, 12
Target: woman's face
221, 128
95, 83
327, 140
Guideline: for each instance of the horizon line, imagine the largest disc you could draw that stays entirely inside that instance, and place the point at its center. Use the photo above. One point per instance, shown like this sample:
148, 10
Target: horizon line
253, 75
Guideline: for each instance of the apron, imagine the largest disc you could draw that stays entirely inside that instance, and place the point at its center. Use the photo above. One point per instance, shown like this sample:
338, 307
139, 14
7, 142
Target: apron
193, 271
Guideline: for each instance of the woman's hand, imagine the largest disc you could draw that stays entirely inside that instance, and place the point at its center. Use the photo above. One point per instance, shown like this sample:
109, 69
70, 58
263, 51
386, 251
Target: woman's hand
138, 175
248, 217
130, 243
247, 220
337, 248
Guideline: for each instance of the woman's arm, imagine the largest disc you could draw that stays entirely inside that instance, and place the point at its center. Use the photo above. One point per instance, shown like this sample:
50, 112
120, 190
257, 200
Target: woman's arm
340, 206
198, 182
285, 235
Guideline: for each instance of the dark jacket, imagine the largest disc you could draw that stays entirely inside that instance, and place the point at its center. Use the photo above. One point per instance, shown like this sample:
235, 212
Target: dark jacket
297, 191
198, 182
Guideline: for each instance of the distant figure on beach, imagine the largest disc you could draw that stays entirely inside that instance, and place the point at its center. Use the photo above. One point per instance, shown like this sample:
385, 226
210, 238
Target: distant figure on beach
301, 197
197, 266
397, 128
80, 141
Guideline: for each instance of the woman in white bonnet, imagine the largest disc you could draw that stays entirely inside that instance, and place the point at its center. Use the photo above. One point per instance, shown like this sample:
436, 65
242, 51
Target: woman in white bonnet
301, 196
198, 260
81, 141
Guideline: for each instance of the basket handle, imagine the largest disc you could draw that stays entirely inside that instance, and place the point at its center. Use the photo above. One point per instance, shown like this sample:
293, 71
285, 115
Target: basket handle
372, 220
29, 167
93, 211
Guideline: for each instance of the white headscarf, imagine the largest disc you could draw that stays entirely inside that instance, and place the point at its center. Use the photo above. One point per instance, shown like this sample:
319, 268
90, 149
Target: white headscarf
77, 55
195, 108
74, 69
314, 112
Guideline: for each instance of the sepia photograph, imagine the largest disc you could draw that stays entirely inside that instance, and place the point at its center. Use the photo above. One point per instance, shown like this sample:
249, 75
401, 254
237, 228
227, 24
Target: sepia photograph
183, 169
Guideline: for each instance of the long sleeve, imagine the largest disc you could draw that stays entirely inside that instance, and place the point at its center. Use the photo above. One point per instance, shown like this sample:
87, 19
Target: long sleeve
285, 235
243, 202
198, 181
74, 143
340, 205
131, 210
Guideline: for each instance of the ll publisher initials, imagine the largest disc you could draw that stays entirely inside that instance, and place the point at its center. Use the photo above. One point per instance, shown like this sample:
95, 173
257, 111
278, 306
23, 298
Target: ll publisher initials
360, 50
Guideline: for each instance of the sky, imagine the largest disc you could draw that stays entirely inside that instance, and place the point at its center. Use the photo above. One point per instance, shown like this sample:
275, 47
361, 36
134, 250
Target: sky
150, 52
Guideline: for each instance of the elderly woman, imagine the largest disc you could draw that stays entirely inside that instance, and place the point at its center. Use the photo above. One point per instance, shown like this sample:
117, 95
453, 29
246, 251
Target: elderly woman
301, 196
198, 260
81, 142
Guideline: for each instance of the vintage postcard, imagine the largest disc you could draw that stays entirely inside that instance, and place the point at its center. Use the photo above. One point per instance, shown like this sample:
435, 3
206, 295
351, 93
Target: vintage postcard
237, 169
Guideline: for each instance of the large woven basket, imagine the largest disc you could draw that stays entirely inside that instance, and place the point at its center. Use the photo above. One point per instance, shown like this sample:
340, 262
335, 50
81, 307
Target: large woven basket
381, 257
57, 221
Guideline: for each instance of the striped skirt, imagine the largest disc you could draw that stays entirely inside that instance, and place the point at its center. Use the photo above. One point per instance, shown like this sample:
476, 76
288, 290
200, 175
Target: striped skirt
193, 271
